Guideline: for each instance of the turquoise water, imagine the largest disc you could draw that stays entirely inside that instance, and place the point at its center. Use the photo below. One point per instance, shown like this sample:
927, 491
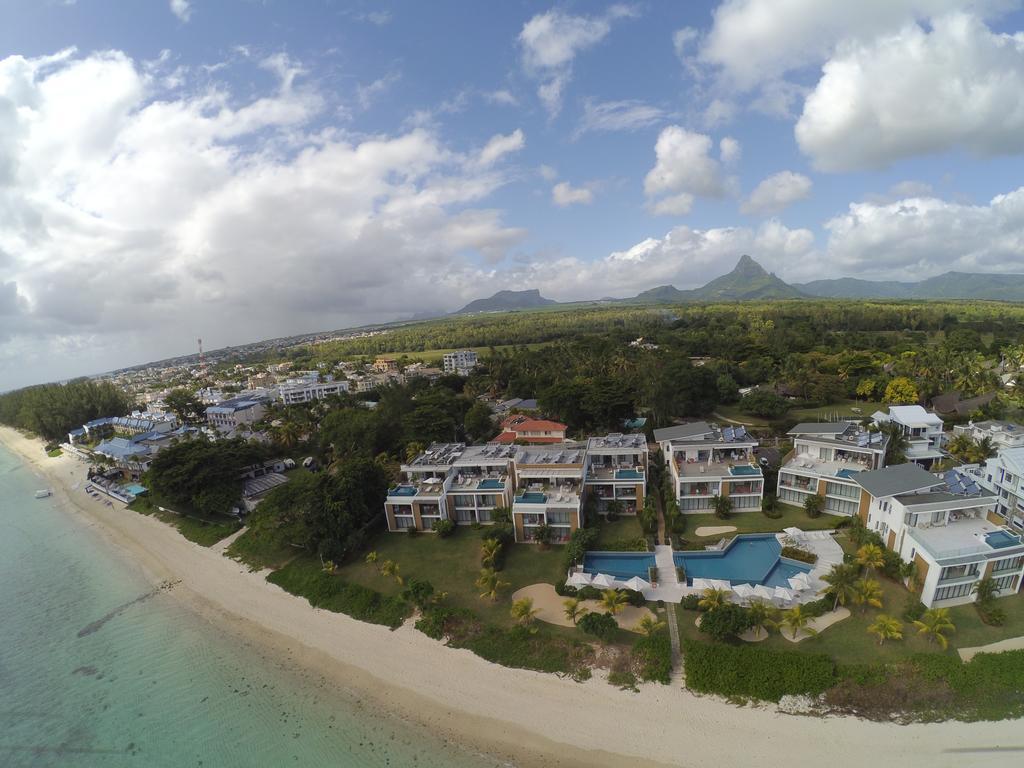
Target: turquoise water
1001, 539
749, 559
622, 566
491, 485
628, 474
744, 469
402, 490
98, 670
532, 497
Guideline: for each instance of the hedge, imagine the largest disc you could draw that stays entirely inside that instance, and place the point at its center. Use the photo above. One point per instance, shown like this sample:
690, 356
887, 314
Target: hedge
795, 553
653, 657
743, 671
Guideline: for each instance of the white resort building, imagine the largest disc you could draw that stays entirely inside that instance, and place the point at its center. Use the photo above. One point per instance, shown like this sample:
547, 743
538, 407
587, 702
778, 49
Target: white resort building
462, 361
481, 482
549, 488
706, 461
946, 526
1003, 434
299, 391
418, 501
923, 430
1003, 477
825, 460
616, 470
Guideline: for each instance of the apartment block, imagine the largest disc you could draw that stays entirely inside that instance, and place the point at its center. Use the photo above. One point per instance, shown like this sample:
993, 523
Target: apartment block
298, 392
825, 461
419, 499
922, 429
1002, 434
616, 470
461, 361
1003, 476
705, 461
549, 487
482, 481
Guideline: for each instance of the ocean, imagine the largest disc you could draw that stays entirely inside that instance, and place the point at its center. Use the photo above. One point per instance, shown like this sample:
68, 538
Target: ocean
98, 669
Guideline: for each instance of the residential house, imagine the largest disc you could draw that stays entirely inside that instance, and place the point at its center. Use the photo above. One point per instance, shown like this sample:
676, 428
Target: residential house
1002, 434
419, 499
945, 526
616, 470
421, 371
549, 484
461, 362
227, 417
296, 392
529, 430
922, 429
385, 365
1003, 476
952, 406
705, 461
825, 459
482, 481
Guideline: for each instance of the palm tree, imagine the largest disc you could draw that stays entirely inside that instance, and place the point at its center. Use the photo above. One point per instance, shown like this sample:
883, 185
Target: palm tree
722, 506
288, 433
961, 446
613, 601
712, 598
523, 611
870, 556
371, 557
886, 627
762, 616
840, 580
986, 590
391, 568
935, 623
490, 583
981, 450
867, 592
650, 625
574, 609
489, 552
797, 621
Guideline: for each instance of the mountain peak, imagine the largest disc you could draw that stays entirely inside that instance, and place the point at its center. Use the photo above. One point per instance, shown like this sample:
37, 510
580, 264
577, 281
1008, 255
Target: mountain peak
504, 301
747, 267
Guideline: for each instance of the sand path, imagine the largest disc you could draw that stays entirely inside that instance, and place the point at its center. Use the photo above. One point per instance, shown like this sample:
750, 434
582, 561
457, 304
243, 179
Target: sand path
550, 608
1010, 644
714, 530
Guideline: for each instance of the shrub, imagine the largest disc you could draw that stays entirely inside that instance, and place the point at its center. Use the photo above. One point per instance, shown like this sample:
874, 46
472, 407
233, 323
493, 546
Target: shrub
443, 528
725, 622
588, 593
579, 542
761, 402
412, 530
502, 532
564, 590
914, 609
600, 625
653, 657
626, 545
813, 505
691, 602
679, 525
419, 592
818, 607
635, 599
796, 553
755, 673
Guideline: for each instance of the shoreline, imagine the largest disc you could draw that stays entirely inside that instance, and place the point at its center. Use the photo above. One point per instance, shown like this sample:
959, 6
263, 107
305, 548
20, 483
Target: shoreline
529, 718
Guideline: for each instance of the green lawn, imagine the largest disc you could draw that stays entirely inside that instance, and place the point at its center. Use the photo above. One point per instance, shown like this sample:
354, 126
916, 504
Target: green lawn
757, 522
55, 453
626, 527
453, 564
437, 354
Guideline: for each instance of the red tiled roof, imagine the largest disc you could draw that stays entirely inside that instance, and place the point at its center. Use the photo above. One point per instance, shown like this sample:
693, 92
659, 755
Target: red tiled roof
507, 438
521, 423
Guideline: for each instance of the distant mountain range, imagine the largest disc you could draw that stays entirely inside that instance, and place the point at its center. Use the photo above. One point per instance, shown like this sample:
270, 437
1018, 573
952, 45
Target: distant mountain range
749, 281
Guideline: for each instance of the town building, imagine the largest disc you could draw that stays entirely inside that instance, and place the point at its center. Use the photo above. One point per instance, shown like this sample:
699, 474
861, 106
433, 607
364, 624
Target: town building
1003, 476
385, 365
228, 416
1002, 434
526, 429
482, 482
419, 499
824, 461
705, 461
616, 470
922, 429
462, 362
549, 488
946, 526
301, 391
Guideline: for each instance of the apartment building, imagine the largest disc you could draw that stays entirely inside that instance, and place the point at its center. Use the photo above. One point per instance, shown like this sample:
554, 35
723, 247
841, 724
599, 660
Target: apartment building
1002, 434
530, 430
482, 481
1003, 477
298, 392
549, 488
705, 461
419, 499
228, 416
922, 429
825, 460
616, 470
460, 362
946, 526
385, 365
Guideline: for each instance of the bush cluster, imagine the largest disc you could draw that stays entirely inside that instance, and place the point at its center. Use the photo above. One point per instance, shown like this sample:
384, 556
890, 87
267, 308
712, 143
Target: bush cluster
443, 528
795, 553
652, 656
749, 672
600, 625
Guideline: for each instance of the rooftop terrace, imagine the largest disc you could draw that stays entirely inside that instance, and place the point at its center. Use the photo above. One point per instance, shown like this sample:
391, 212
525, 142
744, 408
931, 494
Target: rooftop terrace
974, 536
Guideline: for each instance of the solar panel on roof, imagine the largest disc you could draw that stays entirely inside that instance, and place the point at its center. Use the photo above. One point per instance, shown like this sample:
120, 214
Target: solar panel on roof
727, 434
862, 441
740, 433
972, 489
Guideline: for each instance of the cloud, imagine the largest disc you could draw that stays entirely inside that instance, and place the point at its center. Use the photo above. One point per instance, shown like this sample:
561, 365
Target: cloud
674, 205
550, 41
610, 116
564, 194
729, 150
133, 220
503, 97
917, 92
547, 173
684, 165
498, 146
777, 192
181, 9
919, 237
368, 94
682, 39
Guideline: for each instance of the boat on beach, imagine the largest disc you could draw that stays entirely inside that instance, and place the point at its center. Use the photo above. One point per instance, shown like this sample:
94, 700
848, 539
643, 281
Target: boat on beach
44, 493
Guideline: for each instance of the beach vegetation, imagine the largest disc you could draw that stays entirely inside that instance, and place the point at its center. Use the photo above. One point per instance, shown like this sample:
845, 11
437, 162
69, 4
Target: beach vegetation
613, 601
574, 609
601, 625
725, 622
53, 410
886, 627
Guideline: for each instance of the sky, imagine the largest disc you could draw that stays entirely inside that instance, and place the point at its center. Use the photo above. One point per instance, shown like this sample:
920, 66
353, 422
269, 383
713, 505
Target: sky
245, 169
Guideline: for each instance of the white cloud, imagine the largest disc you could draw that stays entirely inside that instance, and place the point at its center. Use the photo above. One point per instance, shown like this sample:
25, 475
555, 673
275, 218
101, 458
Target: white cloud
674, 205
547, 173
133, 220
609, 116
729, 150
777, 192
682, 39
718, 112
685, 168
550, 42
181, 9
498, 146
564, 194
503, 97
911, 188
368, 94
917, 92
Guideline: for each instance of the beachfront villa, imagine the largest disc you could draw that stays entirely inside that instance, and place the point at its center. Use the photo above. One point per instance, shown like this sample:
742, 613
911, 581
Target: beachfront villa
549, 490
616, 470
1002, 434
923, 430
705, 461
946, 525
1003, 477
824, 461
420, 498
481, 483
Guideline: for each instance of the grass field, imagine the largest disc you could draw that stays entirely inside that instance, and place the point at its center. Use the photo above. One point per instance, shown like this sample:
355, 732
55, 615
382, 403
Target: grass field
757, 522
626, 527
437, 354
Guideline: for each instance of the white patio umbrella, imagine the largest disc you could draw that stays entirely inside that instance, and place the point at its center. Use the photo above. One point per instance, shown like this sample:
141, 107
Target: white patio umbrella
602, 580
800, 582
702, 584
743, 591
637, 584
781, 593
793, 531
719, 584
579, 579
765, 593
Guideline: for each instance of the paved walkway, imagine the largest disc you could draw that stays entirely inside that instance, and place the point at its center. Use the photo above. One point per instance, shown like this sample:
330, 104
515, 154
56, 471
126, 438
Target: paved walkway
1010, 644
676, 678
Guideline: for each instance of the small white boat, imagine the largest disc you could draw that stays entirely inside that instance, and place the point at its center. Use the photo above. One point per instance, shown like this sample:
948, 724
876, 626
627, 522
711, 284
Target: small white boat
44, 493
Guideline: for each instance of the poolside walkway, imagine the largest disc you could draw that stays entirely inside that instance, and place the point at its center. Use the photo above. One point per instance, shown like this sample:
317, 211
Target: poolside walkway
1010, 644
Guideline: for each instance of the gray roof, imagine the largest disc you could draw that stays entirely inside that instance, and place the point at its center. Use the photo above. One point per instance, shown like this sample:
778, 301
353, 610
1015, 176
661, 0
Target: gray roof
259, 486
682, 431
901, 478
935, 497
815, 428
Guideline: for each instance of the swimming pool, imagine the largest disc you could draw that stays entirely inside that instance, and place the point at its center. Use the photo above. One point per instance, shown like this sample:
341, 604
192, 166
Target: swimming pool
744, 469
628, 474
749, 559
1001, 539
621, 566
847, 473
135, 489
491, 485
532, 497
402, 490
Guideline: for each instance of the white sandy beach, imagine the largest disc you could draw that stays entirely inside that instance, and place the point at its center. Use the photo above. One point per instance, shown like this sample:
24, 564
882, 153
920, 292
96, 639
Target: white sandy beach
535, 719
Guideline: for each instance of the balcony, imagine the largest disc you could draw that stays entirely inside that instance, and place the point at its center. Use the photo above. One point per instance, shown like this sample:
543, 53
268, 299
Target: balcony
621, 473
699, 489
736, 489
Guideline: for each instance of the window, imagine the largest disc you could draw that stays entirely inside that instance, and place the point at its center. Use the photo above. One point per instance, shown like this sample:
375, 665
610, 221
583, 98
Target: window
1010, 564
1007, 582
402, 522
464, 515
958, 571
956, 590
558, 516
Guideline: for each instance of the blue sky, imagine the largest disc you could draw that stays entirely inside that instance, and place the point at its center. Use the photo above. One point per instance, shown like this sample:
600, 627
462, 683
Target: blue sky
239, 170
